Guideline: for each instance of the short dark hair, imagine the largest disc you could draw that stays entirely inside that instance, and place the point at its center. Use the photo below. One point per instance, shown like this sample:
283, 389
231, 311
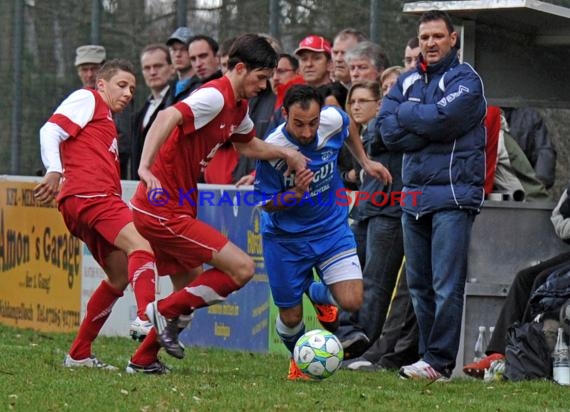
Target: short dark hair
335, 89
157, 46
432, 15
293, 61
276, 44
254, 51
211, 42
413, 43
302, 94
110, 68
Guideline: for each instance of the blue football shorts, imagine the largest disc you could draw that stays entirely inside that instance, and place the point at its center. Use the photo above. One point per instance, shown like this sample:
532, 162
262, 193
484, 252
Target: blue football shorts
290, 263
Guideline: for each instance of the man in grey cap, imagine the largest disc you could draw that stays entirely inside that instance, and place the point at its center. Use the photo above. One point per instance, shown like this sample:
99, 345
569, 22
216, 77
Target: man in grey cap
178, 46
88, 60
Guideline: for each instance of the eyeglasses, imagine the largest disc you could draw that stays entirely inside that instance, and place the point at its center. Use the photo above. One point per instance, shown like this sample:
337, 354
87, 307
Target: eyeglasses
283, 71
361, 101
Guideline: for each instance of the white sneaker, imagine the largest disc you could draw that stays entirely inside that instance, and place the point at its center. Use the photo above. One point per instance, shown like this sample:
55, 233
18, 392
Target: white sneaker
356, 364
139, 329
90, 362
422, 370
155, 317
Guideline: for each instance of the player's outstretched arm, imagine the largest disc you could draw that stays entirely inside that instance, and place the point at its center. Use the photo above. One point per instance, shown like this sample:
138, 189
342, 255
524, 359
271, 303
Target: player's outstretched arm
370, 167
164, 124
259, 149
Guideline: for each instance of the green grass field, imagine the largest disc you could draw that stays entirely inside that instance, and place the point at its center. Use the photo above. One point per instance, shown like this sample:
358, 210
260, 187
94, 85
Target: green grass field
32, 379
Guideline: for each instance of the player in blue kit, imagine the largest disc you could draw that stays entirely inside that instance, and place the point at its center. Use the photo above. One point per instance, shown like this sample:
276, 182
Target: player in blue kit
303, 226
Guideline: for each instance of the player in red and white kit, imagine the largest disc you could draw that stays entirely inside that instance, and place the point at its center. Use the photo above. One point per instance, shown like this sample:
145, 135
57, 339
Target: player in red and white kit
178, 146
79, 143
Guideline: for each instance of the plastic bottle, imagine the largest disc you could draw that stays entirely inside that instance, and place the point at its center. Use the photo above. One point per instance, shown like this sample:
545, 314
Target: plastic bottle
560, 361
480, 345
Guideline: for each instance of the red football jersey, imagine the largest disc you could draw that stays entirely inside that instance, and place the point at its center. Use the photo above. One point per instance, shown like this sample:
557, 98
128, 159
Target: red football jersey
90, 156
220, 169
211, 117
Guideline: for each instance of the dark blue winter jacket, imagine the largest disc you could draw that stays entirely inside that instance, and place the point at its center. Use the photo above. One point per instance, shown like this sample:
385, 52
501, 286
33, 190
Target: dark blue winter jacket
435, 116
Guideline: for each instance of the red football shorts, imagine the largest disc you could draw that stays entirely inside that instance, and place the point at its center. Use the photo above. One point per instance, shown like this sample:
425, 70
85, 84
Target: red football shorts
96, 221
180, 243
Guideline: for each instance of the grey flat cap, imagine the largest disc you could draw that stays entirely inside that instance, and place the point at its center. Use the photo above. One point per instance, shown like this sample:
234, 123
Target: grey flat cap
90, 53
181, 34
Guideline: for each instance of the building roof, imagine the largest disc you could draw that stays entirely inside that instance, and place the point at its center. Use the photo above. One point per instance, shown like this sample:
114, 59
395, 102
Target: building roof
547, 22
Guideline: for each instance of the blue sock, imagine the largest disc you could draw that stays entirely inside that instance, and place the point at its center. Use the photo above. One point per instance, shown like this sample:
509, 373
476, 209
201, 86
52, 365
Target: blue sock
289, 336
319, 293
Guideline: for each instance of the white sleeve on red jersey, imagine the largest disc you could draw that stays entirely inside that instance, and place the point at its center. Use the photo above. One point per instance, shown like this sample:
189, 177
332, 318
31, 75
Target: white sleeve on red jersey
51, 135
246, 125
75, 111
68, 119
205, 104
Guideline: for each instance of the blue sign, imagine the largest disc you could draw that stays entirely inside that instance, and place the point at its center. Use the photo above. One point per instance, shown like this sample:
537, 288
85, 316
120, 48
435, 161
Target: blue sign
241, 322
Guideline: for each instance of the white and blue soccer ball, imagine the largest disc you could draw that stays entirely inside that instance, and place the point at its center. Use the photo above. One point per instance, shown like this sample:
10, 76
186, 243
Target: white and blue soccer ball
318, 354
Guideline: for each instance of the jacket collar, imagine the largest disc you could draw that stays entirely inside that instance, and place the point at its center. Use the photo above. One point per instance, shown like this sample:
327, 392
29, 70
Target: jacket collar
440, 67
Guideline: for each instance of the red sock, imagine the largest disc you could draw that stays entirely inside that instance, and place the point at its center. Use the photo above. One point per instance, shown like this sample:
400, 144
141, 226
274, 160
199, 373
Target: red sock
208, 288
98, 310
147, 352
142, 272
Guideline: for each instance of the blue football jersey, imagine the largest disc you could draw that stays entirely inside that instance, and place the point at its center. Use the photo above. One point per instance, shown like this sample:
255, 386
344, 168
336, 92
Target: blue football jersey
324, 208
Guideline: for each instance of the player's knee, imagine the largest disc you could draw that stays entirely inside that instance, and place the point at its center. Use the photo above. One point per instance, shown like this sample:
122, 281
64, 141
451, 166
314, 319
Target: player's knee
244, 270
291, 320
116, 270
350, 303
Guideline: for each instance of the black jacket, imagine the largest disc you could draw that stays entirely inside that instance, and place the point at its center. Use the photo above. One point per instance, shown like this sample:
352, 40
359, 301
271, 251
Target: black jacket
528, 129
138, 132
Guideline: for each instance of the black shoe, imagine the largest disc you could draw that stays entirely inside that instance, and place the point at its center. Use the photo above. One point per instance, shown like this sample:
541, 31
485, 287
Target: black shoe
155, 368
355, 345
166, 330
168, 339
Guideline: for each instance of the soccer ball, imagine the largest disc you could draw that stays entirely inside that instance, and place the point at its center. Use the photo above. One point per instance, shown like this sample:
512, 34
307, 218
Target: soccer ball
318, 354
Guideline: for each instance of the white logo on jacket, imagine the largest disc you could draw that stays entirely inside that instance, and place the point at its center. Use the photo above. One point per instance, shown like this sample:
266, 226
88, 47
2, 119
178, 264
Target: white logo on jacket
452, 96
114, 148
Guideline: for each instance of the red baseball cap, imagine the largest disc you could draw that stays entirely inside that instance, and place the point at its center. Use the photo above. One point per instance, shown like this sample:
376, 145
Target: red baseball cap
314, 43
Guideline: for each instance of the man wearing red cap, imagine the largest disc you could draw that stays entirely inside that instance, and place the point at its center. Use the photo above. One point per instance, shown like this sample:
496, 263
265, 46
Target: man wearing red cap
315, 64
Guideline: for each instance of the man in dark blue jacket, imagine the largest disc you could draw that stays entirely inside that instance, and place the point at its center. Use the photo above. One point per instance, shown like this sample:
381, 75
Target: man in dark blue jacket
434, 115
